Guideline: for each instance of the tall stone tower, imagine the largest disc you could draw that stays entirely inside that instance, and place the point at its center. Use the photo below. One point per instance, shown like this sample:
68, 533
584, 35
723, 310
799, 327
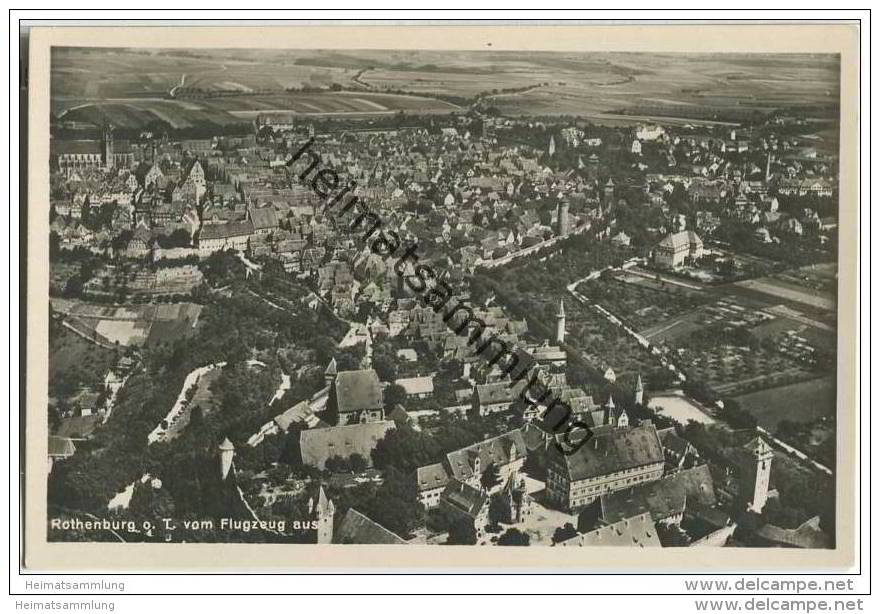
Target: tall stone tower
322, 511
560, 323
330, 372
758, 474
563, 224
608, 192
610, 411
551, 149
767, 168
227, 453
107, 143
640, 391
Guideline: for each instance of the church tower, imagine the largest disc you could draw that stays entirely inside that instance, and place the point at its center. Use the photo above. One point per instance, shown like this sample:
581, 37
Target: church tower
610, 411
560, 323
107, 143
322, 512
330, 372
227, 452
608, 192
758, 475
563, 224
551, 149
640, 391
767, 168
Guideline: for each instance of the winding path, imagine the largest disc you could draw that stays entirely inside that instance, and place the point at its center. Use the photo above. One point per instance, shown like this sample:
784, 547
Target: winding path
177, 410
174, 89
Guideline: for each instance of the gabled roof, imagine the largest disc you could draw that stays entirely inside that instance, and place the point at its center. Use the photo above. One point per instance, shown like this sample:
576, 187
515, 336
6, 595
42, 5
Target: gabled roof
356, 528
399, 415
465, 498
808, 535
61, 447
499, 392
637, 531
499, 451
759, 447
663, 498
612, 451
357, 390
229, 229
319, 444
681, 240
263, 217
297, 413
78, 427
671, 441
431, 477
417, 385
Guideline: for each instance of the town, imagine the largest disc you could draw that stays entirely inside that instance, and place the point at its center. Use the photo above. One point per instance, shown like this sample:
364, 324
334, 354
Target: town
225, 346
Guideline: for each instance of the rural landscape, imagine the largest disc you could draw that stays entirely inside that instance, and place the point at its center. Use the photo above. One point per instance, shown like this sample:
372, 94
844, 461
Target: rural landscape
186, 88
476, 298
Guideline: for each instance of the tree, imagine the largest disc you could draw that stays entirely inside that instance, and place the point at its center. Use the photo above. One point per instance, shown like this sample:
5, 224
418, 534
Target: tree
738, 417
438, 520
395, 504
290, 449
349, 359
385, 366
499, 510
462, 533
566, 531
406, 449
337, 464
491, 477
150, 503
514, 537
785, 516
394, 394
357, 463
536, 465
589, 517
54, 418
178, 238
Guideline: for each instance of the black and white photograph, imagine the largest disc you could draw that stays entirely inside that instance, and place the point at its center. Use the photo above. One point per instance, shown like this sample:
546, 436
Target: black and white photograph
439, 297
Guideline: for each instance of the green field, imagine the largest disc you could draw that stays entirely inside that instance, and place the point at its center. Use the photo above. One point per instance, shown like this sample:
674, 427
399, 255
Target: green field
597, 84
131, 88
184, 87
74, 361
800, 402
182, 113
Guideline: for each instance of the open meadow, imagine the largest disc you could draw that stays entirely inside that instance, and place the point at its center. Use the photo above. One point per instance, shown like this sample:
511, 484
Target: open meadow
800, 402
128, 325
132, 88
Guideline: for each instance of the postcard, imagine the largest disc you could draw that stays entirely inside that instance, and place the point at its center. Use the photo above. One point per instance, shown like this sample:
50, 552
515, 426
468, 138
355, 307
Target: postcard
327, 296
